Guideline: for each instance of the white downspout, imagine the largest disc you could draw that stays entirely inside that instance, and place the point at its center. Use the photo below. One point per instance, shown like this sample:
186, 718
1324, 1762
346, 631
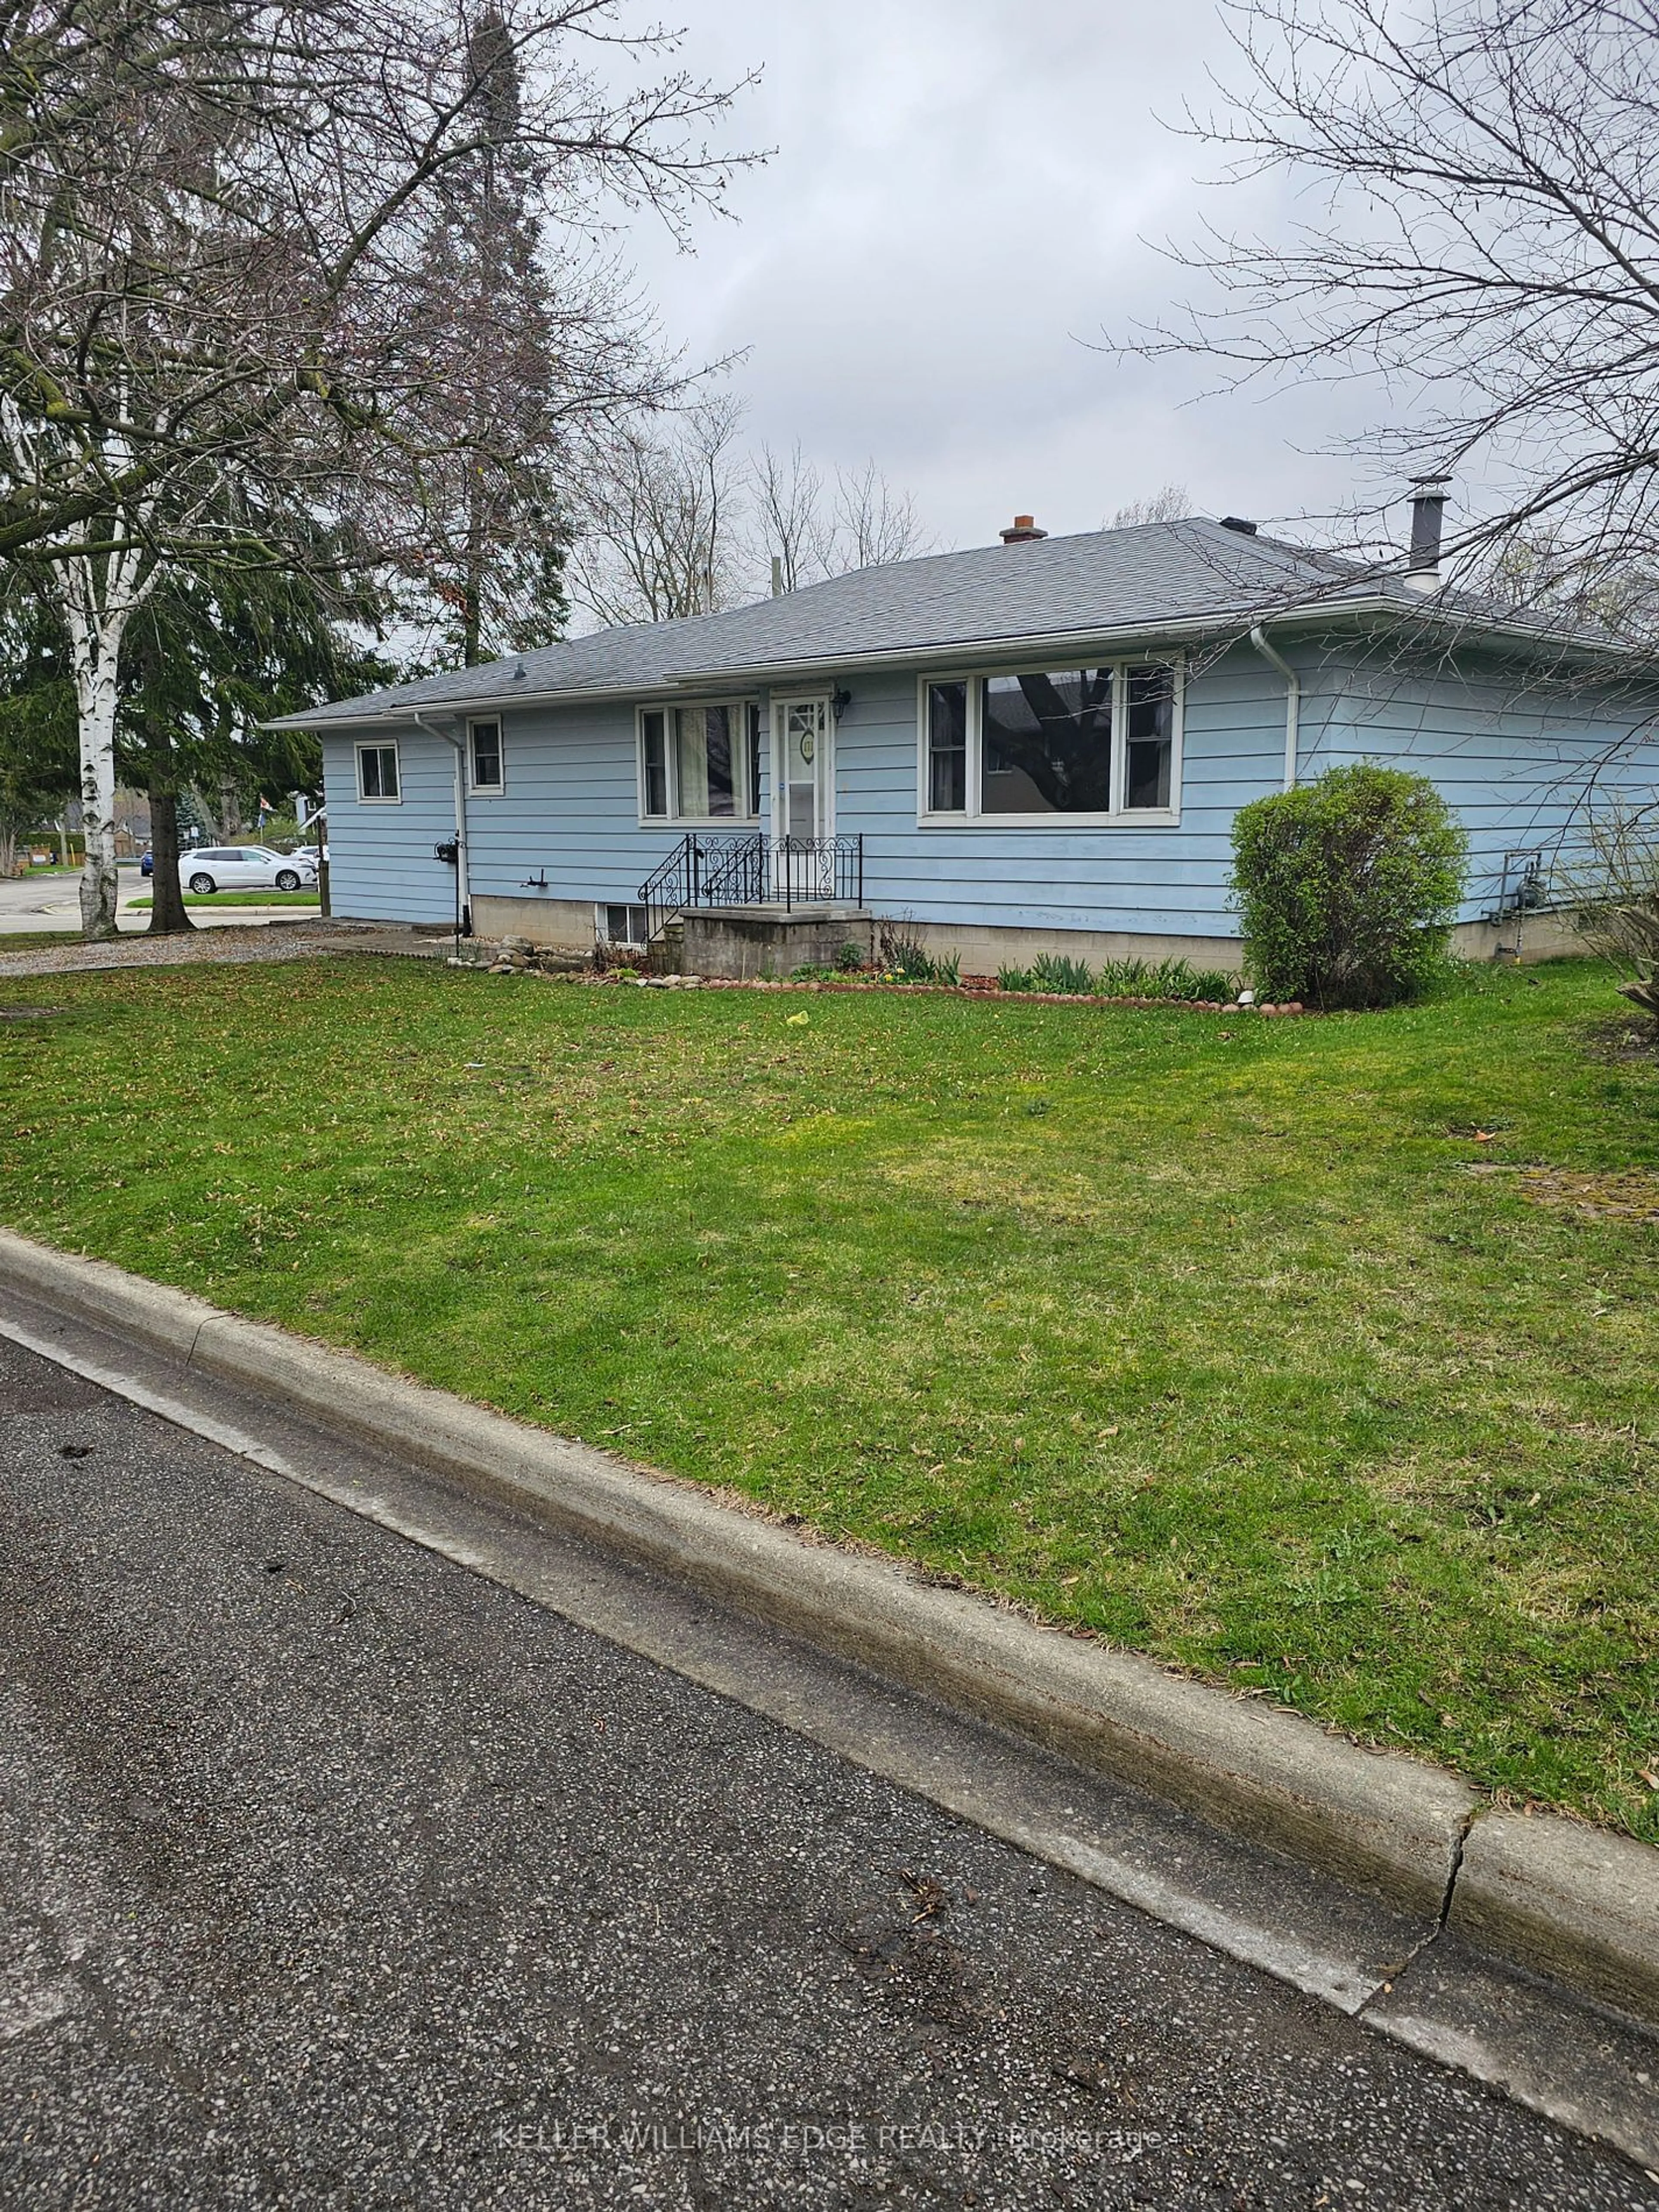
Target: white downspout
462, 878
1292, 703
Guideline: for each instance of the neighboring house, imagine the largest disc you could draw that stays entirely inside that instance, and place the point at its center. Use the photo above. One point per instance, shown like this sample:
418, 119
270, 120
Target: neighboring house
1037, 744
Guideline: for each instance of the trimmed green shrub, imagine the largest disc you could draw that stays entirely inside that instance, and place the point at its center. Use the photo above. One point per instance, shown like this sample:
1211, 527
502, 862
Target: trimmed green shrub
1347, 886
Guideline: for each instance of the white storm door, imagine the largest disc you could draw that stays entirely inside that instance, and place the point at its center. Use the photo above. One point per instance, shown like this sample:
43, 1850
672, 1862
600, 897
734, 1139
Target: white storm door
806, 787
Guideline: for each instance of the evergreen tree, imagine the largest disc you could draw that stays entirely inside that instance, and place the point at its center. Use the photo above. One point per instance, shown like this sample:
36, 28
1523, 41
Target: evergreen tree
210, 660
487, 555
38, 759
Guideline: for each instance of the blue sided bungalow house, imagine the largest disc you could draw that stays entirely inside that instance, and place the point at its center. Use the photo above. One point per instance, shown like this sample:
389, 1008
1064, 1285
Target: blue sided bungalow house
1038, 745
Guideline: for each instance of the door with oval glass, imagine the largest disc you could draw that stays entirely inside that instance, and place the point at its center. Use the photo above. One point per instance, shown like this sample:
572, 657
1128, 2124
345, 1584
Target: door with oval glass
805, 788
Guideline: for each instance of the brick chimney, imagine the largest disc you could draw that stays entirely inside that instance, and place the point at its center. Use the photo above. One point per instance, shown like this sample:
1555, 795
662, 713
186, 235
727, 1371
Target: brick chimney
1024, 531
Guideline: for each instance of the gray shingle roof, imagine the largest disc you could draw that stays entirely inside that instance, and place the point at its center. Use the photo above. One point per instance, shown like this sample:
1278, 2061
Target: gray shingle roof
1158, 573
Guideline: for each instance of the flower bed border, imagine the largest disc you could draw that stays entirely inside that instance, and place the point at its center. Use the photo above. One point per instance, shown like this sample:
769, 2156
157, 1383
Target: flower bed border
975, 989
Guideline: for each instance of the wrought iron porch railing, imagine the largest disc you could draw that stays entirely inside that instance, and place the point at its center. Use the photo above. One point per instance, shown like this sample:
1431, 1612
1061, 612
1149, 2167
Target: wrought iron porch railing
753, 870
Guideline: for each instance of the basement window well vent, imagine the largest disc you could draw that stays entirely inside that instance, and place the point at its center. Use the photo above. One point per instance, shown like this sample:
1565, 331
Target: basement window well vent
622, 925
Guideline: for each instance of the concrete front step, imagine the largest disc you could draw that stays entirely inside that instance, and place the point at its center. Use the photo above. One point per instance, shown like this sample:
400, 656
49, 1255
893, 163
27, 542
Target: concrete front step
746, 941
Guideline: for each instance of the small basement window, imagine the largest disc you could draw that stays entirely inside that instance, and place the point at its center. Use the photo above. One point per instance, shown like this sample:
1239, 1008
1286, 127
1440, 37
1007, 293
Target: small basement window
377, 772
484, 745
623, 925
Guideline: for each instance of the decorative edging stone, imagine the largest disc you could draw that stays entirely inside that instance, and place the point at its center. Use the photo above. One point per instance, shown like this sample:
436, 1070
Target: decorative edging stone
1578, 1903
989, 993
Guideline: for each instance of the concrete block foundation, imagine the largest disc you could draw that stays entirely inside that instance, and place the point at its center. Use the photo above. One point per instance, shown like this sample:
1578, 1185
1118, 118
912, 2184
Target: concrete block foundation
746, 941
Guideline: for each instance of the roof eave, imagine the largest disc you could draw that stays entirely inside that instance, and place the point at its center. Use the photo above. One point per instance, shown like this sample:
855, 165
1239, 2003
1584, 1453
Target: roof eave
1113, 637
1119, 637
366, 717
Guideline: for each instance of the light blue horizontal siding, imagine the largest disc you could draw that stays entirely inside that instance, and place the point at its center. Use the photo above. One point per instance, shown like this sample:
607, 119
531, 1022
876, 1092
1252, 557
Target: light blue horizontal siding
569, 808
1515, 765
380, 867
1523, 763
1149, 877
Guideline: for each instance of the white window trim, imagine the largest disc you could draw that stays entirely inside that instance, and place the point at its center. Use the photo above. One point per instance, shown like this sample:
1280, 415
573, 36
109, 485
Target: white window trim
379, 745
601, 924
972, 817
674, 819
483, 790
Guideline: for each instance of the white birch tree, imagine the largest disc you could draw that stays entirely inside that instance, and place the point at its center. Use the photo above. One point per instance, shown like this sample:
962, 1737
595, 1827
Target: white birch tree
101, 593
211, 217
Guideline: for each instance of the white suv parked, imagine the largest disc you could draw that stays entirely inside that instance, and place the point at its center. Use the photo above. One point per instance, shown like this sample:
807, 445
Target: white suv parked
243, 868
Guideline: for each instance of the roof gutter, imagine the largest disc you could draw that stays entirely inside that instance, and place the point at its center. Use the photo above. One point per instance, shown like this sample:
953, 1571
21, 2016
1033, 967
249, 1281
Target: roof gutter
1292, 701
326, 718
754, 672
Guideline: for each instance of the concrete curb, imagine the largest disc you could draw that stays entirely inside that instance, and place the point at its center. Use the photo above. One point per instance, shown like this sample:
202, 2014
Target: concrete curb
1576, 1904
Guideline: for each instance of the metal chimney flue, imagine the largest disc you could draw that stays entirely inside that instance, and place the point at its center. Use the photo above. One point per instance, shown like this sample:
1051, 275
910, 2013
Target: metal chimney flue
1428, 497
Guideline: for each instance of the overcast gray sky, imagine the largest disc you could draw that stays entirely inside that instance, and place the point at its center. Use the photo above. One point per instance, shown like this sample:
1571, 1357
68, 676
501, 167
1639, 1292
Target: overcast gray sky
956, 204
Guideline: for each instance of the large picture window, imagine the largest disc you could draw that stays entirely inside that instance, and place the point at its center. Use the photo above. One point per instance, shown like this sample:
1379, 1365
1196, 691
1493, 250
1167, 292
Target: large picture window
700, 763
1103, 743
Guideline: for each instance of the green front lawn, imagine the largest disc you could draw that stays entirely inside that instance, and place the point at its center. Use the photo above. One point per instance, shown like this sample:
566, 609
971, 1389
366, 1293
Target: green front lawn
232, 898
1250, 1343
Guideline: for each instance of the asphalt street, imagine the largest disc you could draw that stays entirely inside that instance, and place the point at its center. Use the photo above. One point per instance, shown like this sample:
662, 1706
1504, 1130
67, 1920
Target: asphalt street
334, 1874
47, 901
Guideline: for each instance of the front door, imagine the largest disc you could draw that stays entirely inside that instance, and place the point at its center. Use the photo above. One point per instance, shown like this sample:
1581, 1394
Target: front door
806, 787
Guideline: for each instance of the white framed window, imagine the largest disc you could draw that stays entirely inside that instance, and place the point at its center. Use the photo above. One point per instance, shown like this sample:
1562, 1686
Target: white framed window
377, 775
484, 757
700, 763
621, 925
1079, 745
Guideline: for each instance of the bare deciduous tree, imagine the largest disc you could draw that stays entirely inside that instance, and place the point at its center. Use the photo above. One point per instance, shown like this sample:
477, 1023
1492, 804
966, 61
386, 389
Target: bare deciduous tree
1168, 504
873, 523
789, 516
1477, 222
675, 522
1612, 886
659, 518
214, 223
